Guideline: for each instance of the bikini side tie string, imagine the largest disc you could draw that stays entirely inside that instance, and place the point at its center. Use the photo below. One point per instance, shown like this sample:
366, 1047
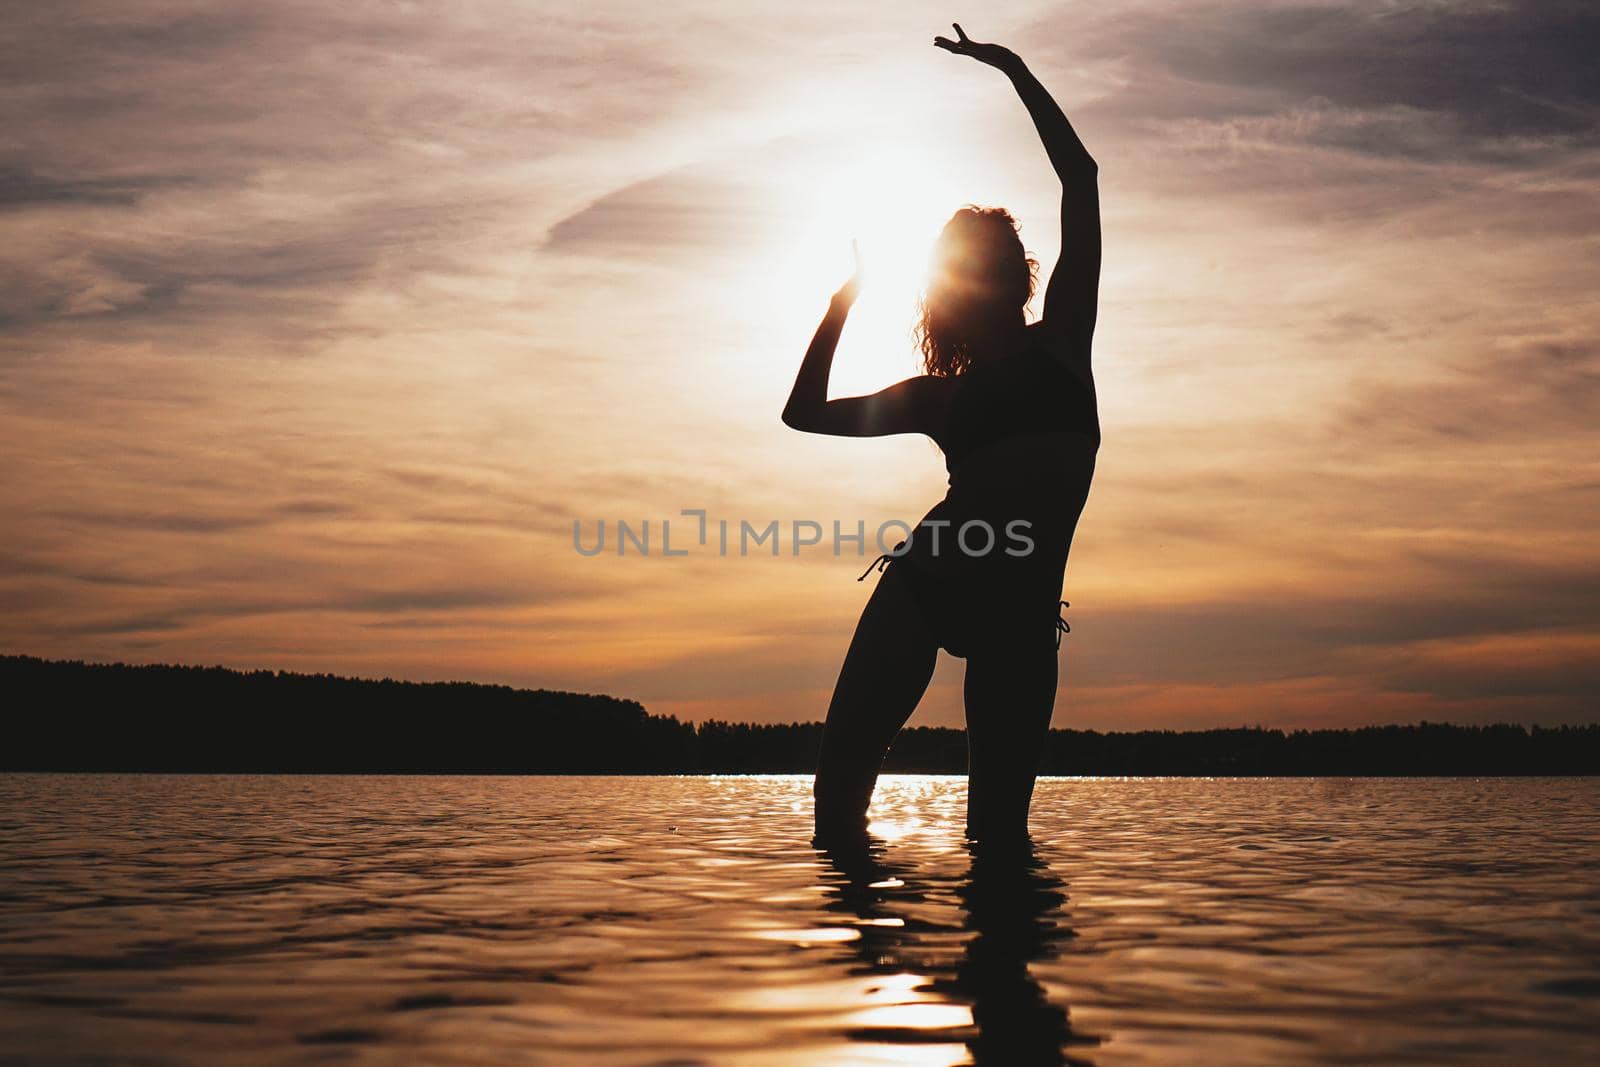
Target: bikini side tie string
1061, 623
881, 562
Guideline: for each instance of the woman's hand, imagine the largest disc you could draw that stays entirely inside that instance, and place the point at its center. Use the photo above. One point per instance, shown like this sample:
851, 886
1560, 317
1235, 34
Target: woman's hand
994, 55
845, 298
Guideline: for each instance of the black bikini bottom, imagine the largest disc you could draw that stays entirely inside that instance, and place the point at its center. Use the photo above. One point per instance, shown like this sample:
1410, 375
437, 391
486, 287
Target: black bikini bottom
990, 602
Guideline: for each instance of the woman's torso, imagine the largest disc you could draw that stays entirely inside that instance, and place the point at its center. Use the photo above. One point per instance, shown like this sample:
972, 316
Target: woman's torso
1032, 391
1020, 437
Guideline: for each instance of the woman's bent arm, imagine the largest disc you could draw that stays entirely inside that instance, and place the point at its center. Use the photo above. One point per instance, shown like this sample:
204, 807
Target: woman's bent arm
809, 397
909, 406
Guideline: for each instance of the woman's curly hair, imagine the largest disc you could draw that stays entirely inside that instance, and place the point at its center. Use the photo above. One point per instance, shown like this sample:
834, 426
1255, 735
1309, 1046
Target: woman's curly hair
980, 279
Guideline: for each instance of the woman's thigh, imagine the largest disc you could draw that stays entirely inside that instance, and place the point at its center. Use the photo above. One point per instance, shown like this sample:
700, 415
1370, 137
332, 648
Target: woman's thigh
884, 676
1010, 693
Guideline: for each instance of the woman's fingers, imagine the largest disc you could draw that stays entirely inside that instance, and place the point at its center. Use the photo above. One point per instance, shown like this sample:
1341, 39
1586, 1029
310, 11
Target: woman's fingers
965, 46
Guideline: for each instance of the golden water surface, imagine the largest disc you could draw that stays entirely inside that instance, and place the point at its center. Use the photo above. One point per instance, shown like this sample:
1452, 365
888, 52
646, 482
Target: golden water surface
677, 921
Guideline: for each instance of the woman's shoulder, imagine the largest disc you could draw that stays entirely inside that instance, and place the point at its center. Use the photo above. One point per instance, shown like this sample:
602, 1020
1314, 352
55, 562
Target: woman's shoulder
1064, 346
1053, 336
930, 386
929, 394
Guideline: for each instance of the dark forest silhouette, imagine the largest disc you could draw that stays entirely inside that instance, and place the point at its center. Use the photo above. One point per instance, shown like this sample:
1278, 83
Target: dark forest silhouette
74, 716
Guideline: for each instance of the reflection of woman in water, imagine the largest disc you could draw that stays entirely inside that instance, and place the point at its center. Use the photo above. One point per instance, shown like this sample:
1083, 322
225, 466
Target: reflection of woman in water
968, 939
1013, 407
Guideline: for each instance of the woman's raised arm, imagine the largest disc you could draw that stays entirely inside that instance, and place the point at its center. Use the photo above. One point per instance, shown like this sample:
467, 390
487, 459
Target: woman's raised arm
1072, 295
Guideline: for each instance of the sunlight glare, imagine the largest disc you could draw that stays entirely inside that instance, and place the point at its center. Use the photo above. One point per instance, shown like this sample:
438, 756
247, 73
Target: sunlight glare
892, 201
921, 1016
892, 829
816, 936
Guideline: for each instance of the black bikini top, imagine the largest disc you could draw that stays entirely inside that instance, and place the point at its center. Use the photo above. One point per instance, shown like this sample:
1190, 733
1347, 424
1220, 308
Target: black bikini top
1029, 392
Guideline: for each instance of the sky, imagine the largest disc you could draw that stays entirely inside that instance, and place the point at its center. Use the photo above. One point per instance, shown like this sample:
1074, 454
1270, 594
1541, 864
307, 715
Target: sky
322, 325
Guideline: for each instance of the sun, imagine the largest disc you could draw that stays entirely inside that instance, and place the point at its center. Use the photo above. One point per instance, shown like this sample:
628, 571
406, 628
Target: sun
891, 200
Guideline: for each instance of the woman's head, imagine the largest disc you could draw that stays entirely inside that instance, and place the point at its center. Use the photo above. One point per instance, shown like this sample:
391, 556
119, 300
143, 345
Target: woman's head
979, 282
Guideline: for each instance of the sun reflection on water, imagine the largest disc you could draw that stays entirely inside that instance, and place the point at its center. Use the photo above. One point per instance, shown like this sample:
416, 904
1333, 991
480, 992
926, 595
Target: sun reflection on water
818, 936
915, 1016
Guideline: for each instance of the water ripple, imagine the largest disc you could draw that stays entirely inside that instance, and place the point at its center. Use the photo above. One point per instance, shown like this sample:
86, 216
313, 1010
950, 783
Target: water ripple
677, 921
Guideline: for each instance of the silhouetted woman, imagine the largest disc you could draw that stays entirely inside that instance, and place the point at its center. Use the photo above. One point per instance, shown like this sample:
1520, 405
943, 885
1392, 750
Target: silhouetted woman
1013, 408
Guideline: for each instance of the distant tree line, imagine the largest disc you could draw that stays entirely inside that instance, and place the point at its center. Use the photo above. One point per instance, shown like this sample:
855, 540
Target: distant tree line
74, 716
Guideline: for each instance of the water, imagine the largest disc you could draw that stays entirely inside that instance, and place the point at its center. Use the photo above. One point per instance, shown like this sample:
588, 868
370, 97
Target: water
676, 921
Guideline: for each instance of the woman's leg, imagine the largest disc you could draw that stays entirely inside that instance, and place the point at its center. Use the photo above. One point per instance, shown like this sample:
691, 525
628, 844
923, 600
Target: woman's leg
885, 673
1010, 693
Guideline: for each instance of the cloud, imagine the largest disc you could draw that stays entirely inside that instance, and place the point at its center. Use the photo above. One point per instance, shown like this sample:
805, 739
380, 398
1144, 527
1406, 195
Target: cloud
250, 170
688, 209
1538, 391
1555, 666
1468, 80
21, 187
